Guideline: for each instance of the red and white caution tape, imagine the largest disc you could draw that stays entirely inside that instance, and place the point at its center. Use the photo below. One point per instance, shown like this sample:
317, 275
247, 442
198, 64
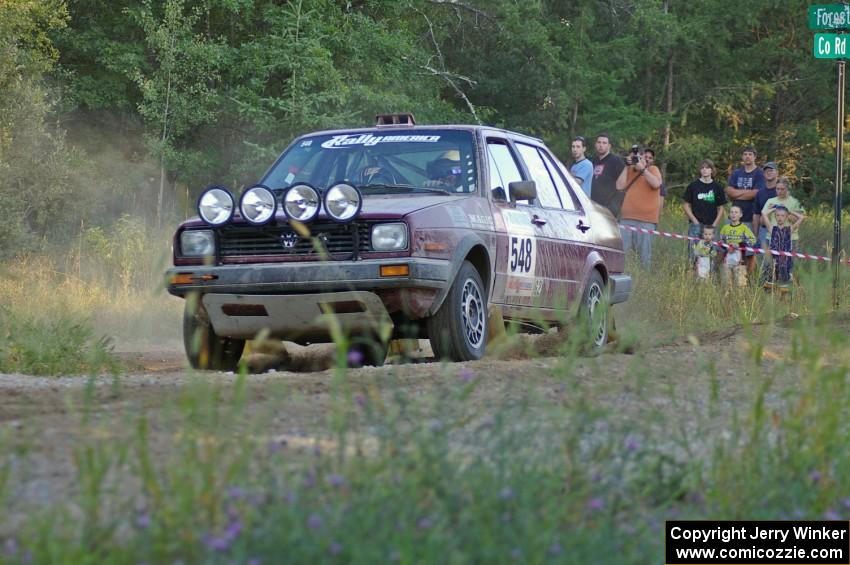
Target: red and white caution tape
730, 246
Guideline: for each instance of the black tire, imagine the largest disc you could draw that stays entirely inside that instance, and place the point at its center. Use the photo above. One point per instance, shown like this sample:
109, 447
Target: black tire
367, 351
594, 313
204, 349
458, 331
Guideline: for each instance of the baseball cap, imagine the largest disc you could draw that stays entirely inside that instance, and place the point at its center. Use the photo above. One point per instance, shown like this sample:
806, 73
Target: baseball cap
771, 165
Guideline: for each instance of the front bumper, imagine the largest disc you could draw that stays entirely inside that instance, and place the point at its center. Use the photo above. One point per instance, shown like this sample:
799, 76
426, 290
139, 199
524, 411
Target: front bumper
621, 288
308, 277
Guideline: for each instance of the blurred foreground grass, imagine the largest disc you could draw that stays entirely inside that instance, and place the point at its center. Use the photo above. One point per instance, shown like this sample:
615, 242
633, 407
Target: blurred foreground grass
559, 460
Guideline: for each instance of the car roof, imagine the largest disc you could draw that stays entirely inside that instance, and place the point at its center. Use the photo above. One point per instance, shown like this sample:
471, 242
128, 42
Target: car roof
424, 127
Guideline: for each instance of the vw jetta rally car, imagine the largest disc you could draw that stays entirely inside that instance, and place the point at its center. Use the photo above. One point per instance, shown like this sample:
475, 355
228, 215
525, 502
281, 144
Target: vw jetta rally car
396, 231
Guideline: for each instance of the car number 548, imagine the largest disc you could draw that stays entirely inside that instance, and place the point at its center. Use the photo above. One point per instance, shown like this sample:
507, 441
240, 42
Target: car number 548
522, 254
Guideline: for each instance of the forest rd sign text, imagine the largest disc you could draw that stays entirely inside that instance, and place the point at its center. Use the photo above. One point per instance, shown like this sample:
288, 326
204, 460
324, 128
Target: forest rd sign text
830, 46
829, 16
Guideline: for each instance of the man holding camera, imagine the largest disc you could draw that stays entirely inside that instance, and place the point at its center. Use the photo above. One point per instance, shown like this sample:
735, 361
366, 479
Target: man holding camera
641, 205
606, 169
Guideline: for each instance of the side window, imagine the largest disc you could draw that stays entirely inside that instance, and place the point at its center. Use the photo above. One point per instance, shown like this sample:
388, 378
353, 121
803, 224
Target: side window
500, 155
566, 198
546, 193
496, 182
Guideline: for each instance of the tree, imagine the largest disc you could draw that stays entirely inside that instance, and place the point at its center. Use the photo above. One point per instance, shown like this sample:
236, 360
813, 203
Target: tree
177, 84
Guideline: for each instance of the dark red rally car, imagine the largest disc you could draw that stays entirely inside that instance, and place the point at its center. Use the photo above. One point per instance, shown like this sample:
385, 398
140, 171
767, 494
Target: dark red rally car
396, 231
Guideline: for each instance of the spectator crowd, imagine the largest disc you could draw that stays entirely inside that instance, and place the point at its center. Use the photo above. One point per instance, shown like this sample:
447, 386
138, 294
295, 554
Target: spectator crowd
761, 214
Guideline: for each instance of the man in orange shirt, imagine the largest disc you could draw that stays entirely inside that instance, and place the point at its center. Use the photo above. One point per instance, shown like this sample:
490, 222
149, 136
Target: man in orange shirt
642, 204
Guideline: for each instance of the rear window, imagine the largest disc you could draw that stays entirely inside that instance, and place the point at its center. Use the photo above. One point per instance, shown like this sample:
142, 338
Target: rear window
391, 161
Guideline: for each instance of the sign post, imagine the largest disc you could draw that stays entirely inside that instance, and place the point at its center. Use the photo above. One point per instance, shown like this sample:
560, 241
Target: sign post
834, 46
839, 181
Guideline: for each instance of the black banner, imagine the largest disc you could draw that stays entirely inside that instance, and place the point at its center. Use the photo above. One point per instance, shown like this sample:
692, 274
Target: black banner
757, 542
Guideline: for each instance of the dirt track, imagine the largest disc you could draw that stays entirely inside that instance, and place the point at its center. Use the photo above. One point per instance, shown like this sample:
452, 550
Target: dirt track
48, 415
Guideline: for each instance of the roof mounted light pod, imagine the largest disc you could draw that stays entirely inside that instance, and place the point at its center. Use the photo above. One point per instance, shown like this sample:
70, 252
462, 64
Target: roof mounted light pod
405, 119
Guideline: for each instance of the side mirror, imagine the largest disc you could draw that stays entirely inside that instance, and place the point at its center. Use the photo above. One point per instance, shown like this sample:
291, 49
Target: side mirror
523, 190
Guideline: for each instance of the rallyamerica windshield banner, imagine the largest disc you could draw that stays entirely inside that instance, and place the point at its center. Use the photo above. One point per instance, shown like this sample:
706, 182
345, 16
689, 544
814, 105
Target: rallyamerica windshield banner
760, 543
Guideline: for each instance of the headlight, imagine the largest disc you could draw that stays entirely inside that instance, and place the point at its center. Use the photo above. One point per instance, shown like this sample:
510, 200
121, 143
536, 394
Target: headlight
389, 237
197, 243
215, 206
301, 202
258, 204
342, 202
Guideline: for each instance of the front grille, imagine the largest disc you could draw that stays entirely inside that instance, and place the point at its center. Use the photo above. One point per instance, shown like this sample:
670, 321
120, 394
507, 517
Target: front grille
283, 241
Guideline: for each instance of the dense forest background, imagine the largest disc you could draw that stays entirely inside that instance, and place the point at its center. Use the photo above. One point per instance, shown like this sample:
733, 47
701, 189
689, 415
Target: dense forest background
133, 106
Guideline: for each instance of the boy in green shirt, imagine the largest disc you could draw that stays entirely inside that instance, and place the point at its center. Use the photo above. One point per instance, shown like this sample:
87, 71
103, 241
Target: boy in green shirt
736, 234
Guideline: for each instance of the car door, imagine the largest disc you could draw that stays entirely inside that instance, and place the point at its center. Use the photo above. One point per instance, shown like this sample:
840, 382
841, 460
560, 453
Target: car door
558, 260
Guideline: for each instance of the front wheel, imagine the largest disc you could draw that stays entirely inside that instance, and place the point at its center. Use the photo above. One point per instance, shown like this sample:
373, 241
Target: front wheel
204, 348
458, 331
594, 311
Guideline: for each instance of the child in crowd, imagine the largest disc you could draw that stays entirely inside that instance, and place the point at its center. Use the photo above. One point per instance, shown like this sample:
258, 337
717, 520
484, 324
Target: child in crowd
704, 253
736, 234
783, 198
780, 240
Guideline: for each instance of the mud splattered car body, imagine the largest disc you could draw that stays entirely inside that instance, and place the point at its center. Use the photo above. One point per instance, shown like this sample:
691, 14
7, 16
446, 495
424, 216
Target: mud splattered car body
452, 223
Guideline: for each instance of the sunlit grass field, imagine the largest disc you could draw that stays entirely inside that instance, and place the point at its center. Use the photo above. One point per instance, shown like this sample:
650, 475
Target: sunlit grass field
563, 463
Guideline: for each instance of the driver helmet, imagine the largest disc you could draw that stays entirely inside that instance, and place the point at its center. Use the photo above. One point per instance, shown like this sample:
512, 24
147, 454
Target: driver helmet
446, 165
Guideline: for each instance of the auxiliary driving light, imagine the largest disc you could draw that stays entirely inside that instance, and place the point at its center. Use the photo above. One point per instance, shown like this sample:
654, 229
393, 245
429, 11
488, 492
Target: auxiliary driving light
301, 202
258, 204
215, 206
343, 202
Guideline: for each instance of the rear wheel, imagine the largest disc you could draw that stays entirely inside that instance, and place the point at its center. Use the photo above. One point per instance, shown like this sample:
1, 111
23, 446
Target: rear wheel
204, 348
458, 331
594, 312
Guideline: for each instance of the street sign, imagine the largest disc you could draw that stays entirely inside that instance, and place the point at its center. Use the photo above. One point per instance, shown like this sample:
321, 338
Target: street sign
830, 46
829, 16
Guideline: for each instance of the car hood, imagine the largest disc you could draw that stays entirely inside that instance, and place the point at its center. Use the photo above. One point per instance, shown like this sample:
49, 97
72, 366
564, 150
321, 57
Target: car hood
393, 206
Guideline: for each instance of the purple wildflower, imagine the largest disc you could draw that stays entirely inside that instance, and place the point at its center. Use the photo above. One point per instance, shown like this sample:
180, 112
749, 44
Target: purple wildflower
233, 529
335, 548
595, 503
275, 446
360, 399
815, 476
424, 523
217, 543
336, 480
236, 493
10, 547
466, 375
436, 425
832, 515
632, 444
845, 502
143, 521
309, 480
314, 522
254, 561
355, 357
555, 549
506, 493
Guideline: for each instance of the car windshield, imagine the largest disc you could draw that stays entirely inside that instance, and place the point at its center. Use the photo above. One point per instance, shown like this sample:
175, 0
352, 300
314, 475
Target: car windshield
413, 160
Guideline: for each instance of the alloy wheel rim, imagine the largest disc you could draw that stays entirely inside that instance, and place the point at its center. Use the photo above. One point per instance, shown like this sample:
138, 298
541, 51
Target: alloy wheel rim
472, 313
594, 299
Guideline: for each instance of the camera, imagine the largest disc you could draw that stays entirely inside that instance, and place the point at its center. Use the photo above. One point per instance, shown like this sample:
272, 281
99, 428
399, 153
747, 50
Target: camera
633, 158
